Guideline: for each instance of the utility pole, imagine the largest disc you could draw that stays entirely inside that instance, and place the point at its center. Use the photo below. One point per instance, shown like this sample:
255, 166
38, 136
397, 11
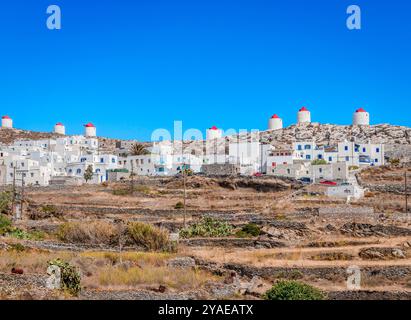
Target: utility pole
13, 201
132, 175
185, 193
406, 191
22, 194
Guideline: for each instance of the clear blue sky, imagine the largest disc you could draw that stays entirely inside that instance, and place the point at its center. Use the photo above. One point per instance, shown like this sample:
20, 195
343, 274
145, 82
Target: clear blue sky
133, 66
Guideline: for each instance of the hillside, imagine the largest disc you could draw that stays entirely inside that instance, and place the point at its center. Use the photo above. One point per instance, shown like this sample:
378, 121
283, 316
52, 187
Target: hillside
8, 136
397, 138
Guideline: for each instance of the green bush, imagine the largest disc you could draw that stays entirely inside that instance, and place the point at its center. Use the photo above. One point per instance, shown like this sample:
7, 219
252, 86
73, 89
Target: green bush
318, 162
207, 227
249, 230
70, 278
179, 205
293, 290
149, 236
5, 224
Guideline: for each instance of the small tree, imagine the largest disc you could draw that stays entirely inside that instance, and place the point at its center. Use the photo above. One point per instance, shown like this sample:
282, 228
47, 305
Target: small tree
88, 174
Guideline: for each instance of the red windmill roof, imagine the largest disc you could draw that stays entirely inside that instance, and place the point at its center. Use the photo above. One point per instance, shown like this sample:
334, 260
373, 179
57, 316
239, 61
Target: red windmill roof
213, 128
360, 110
59, 124
89, 125
275, 117
303, 109
5, 117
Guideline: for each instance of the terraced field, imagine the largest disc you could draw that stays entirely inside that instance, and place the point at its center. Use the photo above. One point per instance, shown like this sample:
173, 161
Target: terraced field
301, 235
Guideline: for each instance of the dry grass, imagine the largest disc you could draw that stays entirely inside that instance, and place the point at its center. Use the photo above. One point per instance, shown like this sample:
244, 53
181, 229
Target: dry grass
148, 236
175, 278
93, 232
149, 258
32, 261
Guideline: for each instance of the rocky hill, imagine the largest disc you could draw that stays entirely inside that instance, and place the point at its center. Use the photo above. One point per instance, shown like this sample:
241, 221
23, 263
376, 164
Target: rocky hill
396, 138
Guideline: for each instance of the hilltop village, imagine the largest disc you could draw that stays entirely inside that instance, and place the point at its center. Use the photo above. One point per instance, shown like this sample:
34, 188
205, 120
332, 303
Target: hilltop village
78, 159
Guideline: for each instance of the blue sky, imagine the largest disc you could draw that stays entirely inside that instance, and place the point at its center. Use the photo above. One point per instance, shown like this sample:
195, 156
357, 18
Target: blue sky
134, 66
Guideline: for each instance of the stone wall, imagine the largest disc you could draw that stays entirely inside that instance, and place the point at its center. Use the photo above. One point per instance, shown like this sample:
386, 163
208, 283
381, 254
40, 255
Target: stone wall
226, 169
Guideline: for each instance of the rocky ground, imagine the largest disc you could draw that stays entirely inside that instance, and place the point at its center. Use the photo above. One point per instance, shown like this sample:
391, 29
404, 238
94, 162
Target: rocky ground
303, 236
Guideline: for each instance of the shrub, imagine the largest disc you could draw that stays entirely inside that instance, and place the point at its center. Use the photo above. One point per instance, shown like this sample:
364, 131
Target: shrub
353, 168
394, 161
5, 201
318, 162
293, 290
207, 227
149, 236
94, 232
179, 205
70, 278
251, 230
5, 224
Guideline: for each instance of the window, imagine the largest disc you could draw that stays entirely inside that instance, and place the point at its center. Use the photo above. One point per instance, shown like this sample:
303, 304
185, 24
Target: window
78, 171
364, 150
320, 156
339, 169
119, 162
330, 159
308, 157
347, 158
83, 159
149, 160
299, 147
284, 162
101, 160
11, 174
346, 148
288, 171
113, 160
32, 174
97, 170
22, 164
307, 147
70, 171
376, 150
142, 161
320, 170
376, 160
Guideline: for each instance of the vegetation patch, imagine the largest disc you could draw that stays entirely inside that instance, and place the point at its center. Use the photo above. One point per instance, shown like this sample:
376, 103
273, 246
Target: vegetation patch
293, 290
93, 232
249, 230
70, 278
207, 227
149, 237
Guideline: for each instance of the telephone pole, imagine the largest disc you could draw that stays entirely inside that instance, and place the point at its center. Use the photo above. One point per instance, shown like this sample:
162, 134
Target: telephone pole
185, 193
406, 191
13, 201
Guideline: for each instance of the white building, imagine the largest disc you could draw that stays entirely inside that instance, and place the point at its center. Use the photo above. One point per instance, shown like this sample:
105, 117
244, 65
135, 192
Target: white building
38, 161
275, 123
303, 116
214, 133
6, 122
90, 130
59, 128
298, 170
361, 117
345, 191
